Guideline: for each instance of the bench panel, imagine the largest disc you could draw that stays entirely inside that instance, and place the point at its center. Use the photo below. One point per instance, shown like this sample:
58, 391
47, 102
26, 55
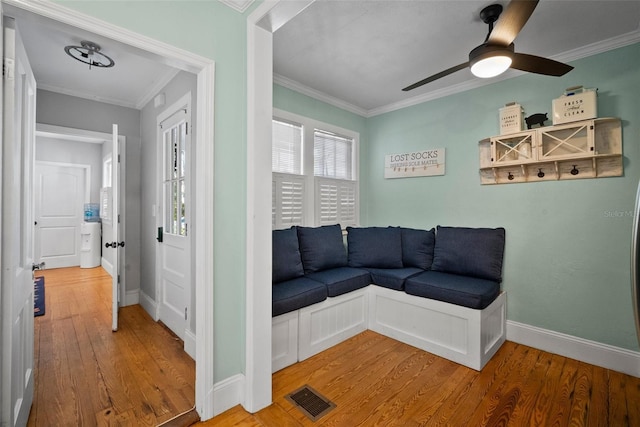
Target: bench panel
332, 321
284, 340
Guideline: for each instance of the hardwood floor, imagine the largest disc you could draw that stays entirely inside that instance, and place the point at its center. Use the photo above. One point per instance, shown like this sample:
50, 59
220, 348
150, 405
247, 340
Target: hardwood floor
87, 375
377, 381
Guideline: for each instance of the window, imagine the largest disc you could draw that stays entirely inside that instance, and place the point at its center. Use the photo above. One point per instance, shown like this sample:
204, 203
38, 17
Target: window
286, 153
107, 170
314, 173
174, 138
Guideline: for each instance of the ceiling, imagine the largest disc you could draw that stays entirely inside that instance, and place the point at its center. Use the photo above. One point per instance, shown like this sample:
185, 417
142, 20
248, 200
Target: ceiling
357, 54
134, 79
360, 54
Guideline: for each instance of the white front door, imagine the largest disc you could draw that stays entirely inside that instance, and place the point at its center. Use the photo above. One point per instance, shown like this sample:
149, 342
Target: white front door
16, 256
174, 248
60, 194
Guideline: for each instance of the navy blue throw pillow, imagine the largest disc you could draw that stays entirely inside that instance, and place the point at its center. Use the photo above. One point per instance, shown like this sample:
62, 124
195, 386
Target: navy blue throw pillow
417, 247
376, 247
475, 252
287, 263
321, 248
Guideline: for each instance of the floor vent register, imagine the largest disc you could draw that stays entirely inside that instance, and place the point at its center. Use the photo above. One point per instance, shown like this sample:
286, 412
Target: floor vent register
310, 402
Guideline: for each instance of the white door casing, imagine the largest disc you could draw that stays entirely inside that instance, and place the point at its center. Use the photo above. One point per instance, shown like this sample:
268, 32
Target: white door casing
60, 192
16, 259
173, 260
204, 179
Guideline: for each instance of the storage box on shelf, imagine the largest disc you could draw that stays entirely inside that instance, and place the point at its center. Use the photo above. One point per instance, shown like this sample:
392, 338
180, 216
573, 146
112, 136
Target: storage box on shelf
585, 149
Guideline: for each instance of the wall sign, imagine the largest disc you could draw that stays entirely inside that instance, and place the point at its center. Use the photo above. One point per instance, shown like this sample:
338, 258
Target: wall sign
418, 163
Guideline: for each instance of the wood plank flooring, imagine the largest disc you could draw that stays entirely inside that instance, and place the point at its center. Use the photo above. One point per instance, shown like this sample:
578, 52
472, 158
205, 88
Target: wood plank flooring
87, 375
377, 381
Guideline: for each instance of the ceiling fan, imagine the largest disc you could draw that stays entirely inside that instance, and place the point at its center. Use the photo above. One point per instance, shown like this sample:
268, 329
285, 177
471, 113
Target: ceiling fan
497, 54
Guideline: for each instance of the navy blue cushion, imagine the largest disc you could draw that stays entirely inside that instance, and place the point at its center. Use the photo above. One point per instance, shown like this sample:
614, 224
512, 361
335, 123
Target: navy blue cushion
287, 263
417, 247
297, 293
392, 278
321, 248
375, 247
473, 252
342, 280
460, 290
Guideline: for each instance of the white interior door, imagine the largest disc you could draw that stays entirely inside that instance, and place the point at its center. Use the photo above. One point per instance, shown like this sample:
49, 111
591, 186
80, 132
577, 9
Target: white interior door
60, 194
117, 243
16, 257
174, 247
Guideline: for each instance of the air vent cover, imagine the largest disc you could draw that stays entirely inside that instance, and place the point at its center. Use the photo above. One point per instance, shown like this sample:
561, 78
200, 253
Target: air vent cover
310, 402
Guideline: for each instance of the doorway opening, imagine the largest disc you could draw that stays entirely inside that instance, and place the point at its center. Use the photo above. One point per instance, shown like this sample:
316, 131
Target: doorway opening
203, 221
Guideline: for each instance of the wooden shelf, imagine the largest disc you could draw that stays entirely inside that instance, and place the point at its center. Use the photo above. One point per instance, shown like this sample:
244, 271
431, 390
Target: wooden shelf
584, 149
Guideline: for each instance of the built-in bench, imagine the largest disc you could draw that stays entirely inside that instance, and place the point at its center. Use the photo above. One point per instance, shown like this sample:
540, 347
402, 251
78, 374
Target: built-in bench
438, 290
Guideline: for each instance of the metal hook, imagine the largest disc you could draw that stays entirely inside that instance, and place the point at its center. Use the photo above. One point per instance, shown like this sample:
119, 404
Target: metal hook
540, 173
574, 171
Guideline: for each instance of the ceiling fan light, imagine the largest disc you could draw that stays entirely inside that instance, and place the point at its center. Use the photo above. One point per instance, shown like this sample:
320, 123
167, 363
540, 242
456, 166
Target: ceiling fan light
491, 66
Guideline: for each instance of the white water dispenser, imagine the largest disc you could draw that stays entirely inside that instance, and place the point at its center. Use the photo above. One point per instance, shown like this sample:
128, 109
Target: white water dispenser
90, 244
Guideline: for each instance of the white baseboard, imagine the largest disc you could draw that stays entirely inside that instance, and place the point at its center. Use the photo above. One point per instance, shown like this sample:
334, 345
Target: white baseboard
228, 393
595, 353
132, 297
149, 305
190, 343
107, 266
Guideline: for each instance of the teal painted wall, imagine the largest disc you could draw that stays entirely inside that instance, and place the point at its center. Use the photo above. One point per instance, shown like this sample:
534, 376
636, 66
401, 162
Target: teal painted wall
215, 31
294, 102
567, 255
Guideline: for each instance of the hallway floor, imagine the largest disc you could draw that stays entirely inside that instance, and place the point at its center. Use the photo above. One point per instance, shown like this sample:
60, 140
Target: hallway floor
87, 375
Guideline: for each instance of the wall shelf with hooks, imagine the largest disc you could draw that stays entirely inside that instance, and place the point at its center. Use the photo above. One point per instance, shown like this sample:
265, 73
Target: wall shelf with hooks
585, 149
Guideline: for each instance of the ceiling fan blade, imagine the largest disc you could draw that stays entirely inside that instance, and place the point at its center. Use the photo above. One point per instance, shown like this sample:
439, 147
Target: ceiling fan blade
539, 65
437, 76
511, 22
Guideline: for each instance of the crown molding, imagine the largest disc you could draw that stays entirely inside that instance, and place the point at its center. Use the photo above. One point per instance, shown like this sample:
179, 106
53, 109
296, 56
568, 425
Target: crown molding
238, 5
316, 94
83, 95
156, 88
572, 55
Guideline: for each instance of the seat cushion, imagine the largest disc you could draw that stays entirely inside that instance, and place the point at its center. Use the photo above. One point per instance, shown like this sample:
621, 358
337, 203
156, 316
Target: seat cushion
321, 248
287, 263
417, 247
342, 280
460, 290
297, 293
378, 247
476, 252
392, 278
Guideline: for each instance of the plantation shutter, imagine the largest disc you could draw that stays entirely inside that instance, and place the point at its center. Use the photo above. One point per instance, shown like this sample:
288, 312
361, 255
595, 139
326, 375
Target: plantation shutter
336, 202
287, 200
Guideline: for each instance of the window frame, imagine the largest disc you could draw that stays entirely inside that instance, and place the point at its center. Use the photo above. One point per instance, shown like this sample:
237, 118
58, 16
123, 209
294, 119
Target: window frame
311, 201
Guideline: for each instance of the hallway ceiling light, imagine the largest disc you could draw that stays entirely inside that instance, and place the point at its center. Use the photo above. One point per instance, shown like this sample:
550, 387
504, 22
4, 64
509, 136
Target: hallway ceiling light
89, 53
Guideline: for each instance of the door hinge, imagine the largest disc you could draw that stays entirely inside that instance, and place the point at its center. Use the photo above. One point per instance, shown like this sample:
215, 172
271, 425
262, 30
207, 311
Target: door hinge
118, 158
118, 278
185, 313
186, 128
118, 218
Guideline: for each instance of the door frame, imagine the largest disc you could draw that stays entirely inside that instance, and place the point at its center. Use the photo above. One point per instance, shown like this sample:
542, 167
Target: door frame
86, 169
204, 143
261, 24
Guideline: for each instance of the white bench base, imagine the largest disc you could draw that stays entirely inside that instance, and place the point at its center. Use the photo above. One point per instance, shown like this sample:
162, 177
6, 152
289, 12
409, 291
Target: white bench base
461, 334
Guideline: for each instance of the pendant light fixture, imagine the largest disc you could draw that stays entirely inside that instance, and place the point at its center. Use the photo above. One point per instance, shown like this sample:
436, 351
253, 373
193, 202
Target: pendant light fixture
89, 53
